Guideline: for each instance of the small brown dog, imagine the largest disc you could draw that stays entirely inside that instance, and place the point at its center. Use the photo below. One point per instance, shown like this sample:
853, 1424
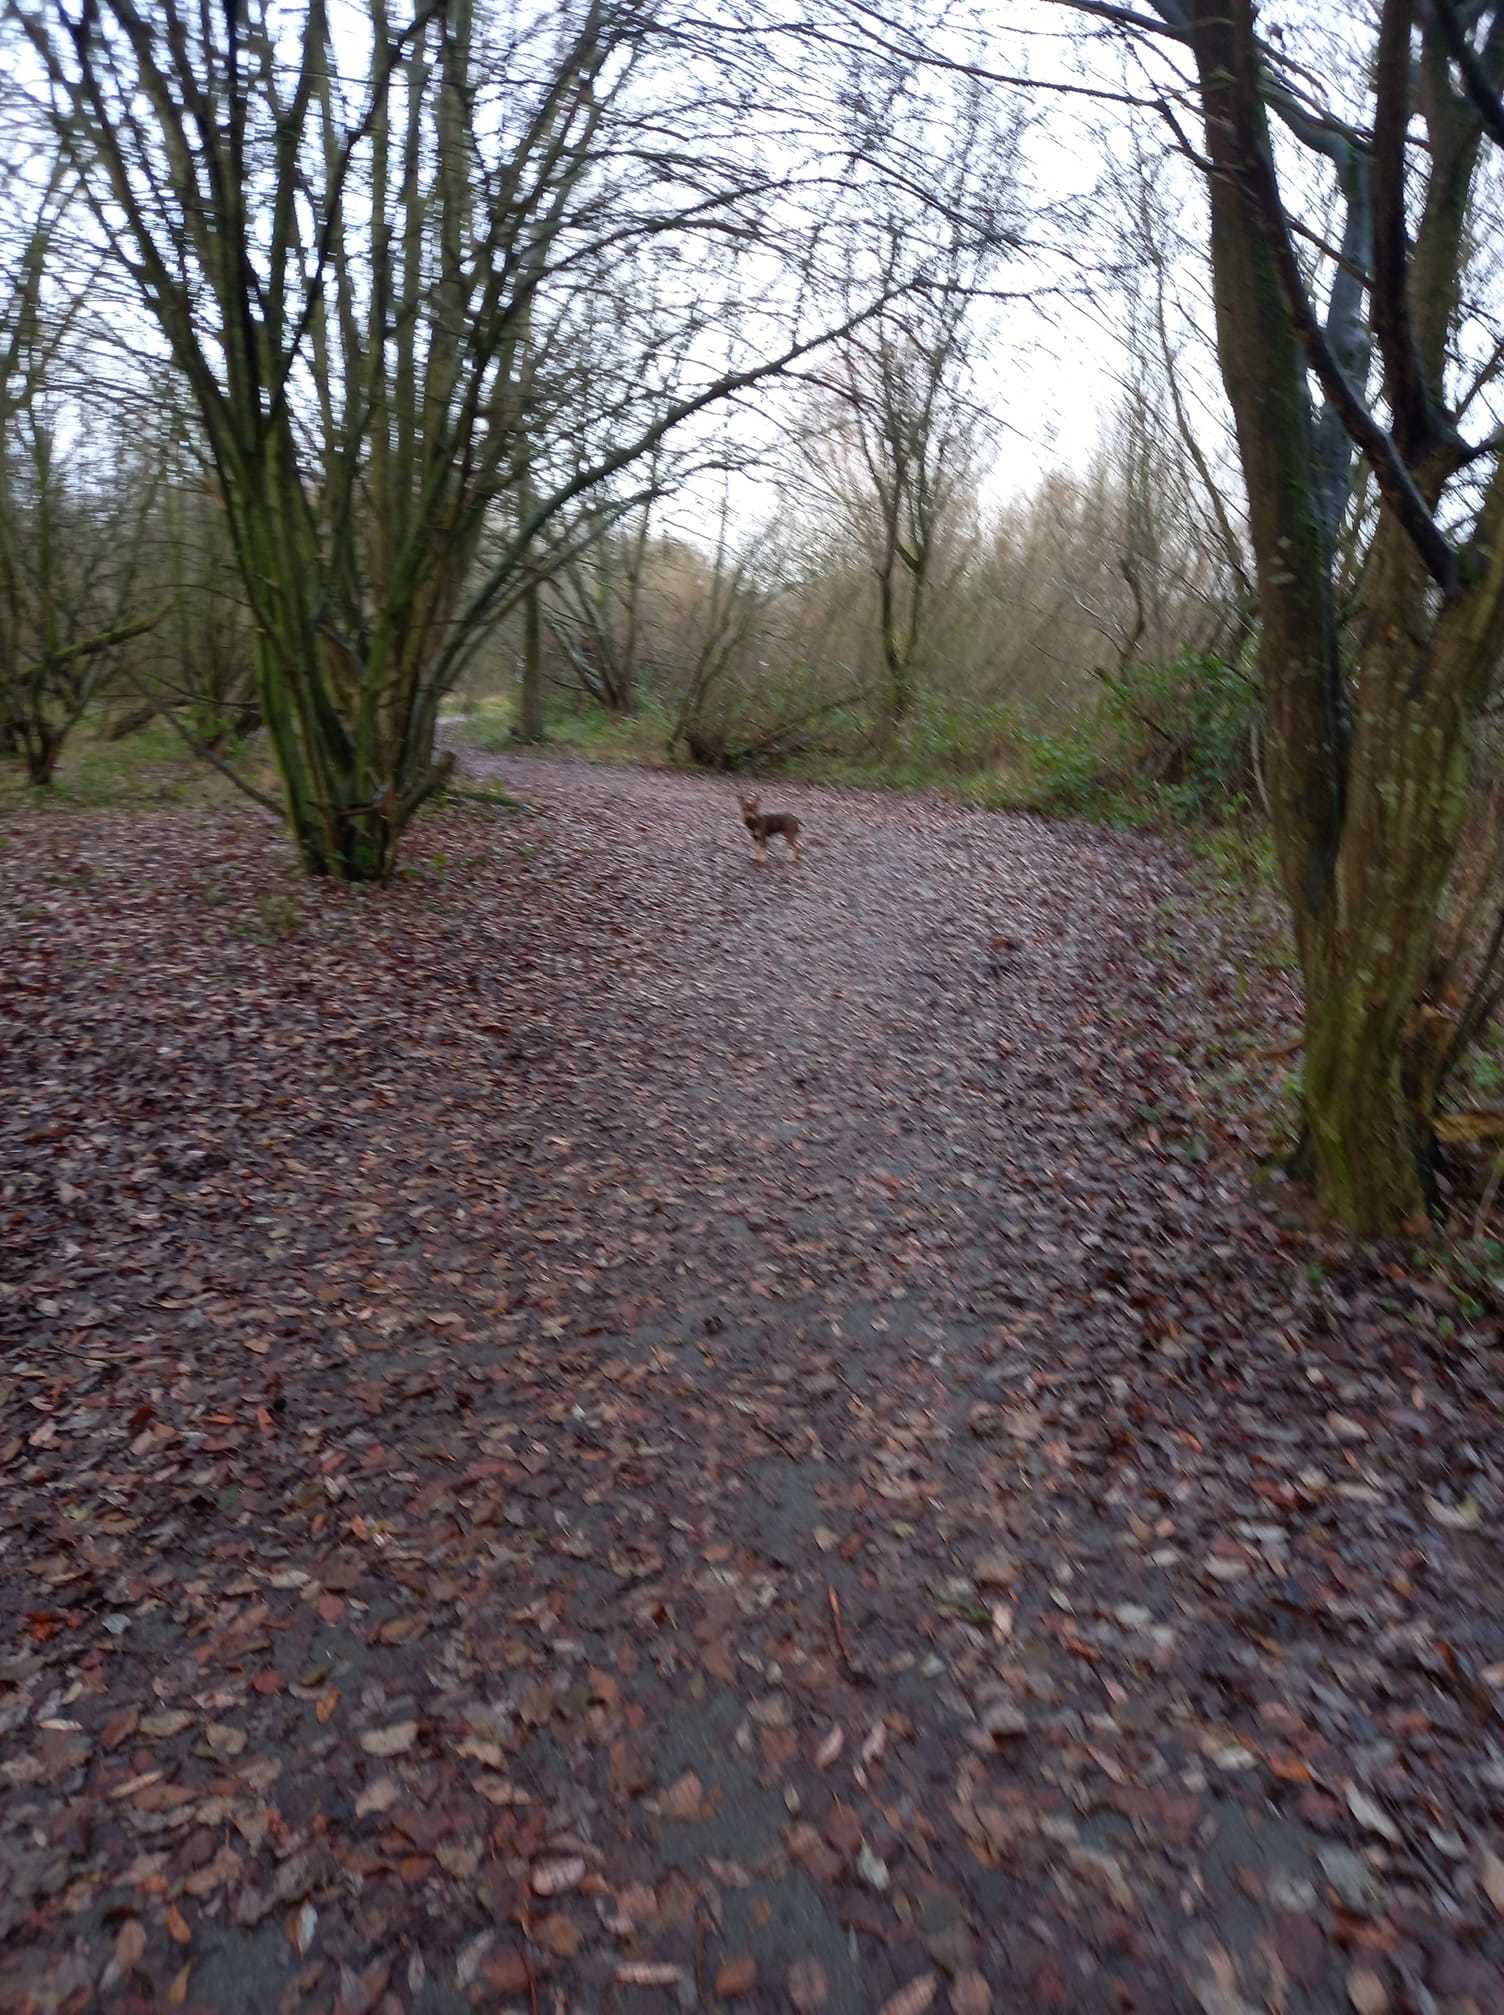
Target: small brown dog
763, 825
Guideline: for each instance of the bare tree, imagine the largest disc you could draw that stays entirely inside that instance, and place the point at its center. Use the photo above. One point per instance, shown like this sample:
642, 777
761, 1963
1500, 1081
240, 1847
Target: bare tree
595, 615
374, 287
717, 631
1344, 204
889, 443
71, 517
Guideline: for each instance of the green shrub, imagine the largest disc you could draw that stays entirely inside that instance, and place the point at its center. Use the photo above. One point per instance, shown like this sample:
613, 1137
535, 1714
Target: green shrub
1171, 742
954, 733
1068, 775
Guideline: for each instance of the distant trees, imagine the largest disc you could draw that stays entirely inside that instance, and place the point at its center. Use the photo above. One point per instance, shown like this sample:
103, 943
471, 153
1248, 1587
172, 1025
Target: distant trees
888, 445
420, 269
890, 455
71, 531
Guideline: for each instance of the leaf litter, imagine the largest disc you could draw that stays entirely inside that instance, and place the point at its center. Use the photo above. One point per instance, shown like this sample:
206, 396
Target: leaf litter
524, 1400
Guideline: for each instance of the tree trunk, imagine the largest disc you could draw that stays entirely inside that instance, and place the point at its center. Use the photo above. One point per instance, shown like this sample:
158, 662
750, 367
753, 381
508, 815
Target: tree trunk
621, 694
353, 745
1369, 1147
1366, 811
898, 665
132, 722
1372, 1048
42, 752
530, 692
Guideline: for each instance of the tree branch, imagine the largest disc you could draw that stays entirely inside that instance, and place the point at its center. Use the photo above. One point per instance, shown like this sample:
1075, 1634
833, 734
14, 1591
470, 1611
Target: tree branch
1260, 185
1481, 88
1404, 385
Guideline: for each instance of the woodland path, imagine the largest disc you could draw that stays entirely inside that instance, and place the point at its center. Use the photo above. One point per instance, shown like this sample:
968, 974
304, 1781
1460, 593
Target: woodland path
630, 1430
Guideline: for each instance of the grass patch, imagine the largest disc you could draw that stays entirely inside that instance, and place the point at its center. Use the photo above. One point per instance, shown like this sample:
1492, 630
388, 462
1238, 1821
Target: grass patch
490, 725
487, 722
142, 772
602, 738
996, 788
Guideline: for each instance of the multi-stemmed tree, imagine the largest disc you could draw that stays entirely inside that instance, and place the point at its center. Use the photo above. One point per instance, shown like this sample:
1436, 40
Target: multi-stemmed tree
369, 239
1352, 166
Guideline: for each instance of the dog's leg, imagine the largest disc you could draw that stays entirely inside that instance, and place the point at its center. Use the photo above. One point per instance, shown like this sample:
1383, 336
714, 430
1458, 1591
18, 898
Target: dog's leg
760, 856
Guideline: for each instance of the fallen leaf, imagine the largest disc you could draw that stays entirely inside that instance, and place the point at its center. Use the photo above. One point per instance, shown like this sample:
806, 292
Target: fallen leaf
830, 1748
683, 1800
1002, 1722
398, 1629
1491, 1874
808, 1985
552, 1878
119, 1728
168, 1721
391, 1741
471, 1954
648, 1973
130, 1945
1371, 1816
736, 1976
1470, 1126
558, 1934
177, 1926
970, 1995
378, 1797
1366, 1991
226, 1867
501, 1791
507, 1972
913, 1999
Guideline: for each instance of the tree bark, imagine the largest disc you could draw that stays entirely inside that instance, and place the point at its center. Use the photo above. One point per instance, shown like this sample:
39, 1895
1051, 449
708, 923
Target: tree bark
1369, 762
530, 727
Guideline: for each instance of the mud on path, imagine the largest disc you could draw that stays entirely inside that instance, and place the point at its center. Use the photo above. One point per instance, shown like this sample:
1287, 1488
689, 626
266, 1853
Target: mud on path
628, 1429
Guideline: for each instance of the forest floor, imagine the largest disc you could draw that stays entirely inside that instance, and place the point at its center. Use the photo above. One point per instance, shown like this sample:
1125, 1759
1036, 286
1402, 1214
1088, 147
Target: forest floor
611, 1428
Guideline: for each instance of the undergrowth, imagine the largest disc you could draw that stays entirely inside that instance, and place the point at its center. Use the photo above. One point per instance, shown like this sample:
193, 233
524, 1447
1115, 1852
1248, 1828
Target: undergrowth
147, 770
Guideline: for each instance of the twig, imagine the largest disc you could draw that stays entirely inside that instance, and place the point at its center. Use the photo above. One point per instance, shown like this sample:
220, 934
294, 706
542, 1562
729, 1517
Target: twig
853, 1670
776, 1438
